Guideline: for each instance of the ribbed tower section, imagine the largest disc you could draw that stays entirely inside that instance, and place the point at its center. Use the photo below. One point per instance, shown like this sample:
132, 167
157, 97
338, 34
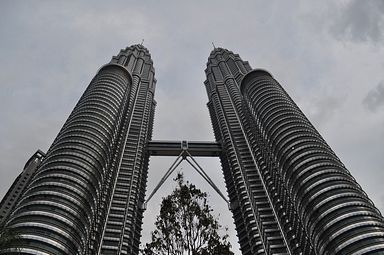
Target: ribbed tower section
333, 209
122, 229
84, 196
258, 227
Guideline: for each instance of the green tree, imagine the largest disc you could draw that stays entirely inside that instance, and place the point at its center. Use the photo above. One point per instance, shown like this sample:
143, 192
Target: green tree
186, 226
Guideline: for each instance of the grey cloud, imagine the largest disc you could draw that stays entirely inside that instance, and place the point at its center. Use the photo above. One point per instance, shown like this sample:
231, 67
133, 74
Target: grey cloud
359, 21
374, 100
324, 108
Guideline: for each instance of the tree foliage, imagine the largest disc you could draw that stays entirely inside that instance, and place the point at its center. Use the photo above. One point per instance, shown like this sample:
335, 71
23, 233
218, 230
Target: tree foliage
7, 236
186, 226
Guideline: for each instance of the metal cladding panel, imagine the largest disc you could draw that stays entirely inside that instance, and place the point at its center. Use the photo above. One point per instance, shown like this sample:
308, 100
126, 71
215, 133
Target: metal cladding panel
335, 212
258, 229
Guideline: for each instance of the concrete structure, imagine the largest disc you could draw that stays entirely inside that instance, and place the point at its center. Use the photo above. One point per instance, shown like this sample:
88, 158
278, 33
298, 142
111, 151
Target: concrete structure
293, 194
85, 196
287, 190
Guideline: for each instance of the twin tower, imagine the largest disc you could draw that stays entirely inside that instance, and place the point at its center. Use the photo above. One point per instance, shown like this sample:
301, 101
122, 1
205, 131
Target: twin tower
289, 193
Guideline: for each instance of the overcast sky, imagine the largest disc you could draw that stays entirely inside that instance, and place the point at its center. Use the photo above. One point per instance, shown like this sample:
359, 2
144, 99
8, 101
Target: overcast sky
328, 55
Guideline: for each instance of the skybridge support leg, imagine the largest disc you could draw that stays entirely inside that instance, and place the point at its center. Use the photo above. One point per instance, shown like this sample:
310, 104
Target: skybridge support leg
186, 155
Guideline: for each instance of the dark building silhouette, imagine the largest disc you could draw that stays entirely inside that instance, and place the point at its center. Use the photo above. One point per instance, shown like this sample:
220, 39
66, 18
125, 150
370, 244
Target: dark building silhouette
288, 191
22, 180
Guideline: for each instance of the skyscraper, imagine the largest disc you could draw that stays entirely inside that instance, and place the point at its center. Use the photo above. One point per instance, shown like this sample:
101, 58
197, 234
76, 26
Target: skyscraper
85, 195
19, 185
288, 191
